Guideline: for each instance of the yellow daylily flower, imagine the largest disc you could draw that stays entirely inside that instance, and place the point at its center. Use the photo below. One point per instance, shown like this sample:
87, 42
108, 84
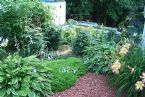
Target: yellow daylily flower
123, 51
127, 45
116, 66
139, 85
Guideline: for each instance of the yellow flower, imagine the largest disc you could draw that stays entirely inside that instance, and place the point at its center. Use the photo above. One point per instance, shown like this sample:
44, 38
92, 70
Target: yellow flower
139, 85
123, 51
116, 66
127, 45
115, 71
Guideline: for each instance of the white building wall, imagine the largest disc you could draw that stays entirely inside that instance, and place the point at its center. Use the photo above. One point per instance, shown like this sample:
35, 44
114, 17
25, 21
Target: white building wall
59, 12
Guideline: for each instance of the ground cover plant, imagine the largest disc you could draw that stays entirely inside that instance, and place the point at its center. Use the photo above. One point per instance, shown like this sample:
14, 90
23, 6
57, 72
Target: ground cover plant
65, 72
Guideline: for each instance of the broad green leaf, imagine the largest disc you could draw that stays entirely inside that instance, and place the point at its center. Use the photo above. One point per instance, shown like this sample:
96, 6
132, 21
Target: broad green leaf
2, 92
14, 80
24, 91
14, 92
36, 86
1, 79
1, 73
32, 94
8, 91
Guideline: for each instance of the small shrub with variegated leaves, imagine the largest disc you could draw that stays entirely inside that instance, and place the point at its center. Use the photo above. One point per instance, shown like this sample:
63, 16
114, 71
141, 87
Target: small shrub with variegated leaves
24, 77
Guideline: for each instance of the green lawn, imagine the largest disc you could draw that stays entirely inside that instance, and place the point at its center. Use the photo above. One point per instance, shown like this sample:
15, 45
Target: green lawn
65, 72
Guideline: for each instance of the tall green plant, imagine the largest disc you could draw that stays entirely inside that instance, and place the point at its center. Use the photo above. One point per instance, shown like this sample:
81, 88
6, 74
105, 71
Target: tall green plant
98, 55
52, 37
81, 40
22, 22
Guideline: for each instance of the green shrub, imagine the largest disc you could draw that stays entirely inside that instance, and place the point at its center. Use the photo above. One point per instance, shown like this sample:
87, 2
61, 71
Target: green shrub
24, 77
68, 36
31, 42
52, 35
81, 40
65, 72
21, 22
98, 55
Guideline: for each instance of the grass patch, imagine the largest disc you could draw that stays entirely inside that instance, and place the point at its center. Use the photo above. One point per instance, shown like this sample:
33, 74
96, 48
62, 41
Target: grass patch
65, 72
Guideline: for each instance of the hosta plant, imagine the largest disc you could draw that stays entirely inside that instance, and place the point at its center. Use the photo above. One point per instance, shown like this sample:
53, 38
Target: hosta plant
24, 77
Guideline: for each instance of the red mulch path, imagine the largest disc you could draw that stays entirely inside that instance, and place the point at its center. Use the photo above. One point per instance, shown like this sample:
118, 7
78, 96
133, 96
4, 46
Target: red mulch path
90, 85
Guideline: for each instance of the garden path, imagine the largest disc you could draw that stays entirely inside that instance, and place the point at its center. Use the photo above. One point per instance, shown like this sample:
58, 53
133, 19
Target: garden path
90, 85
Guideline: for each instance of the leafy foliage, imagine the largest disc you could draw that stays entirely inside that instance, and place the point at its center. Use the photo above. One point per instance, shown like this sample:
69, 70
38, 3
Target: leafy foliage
52, 37
98, 55
84, 8
65, 72
81, 40
108, 12
68, 36
22, 77
21, 22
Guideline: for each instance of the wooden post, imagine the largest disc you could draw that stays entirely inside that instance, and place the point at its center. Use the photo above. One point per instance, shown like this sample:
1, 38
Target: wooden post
143, 38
